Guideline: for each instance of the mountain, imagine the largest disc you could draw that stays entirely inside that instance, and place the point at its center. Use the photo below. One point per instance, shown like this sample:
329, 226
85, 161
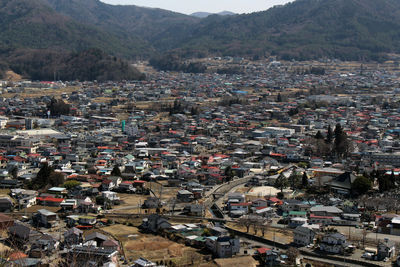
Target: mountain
33, 24
303, 29
203, 15
161, 29
347, 29
37, 41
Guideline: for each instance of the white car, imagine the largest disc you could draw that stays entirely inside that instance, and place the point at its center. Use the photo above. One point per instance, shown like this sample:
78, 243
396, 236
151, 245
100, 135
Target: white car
367, 255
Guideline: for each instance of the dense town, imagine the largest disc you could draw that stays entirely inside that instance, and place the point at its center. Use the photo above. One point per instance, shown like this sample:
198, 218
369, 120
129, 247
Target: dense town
277, 163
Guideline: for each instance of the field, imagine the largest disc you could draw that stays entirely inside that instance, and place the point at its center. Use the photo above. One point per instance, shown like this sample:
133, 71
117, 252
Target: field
132, 202
281, 235
152, 247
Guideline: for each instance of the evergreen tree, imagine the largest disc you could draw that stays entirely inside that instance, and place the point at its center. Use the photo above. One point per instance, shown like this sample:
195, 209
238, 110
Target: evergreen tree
304, 180
279, 98
319, 135
281, 182
329, 135
341, 145
116, 171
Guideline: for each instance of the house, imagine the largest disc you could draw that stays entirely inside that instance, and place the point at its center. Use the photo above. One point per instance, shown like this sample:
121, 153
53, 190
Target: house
73, 236
239, 209
267, 212
267, 256
6, 204
386, 249
303, 236
82, 255
110, 244
97, 237
259, 203
10, 183
151, 203
223, 247
297, 221
107, 185
43, 246
69, 204
185, 196
326, 211
49, 201
142, 262
321, 220
154, 223
342, 183
58, 191
194, 210
46, 218
235, 198
333, 243
21, 234
111, 196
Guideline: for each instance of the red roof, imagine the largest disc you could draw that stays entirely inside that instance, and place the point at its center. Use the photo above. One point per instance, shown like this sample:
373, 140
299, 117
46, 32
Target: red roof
320, 217
263, 250
50, 199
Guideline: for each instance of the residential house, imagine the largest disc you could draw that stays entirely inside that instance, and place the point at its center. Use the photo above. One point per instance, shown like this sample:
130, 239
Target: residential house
267, 256
45, 218
73, 236
239, 209
303, 236
386, 249
194, 210
154, 223
6, 204
326, 211
185, 196
223, 247
333, 243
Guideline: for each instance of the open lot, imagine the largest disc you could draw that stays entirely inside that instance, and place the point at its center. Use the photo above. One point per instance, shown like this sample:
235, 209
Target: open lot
152, 247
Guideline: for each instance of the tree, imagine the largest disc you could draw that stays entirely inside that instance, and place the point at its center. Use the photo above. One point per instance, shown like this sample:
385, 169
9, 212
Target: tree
341, 144
246, 222
304, 180
56, 179
361, 185
229, 174
279, 98
14, 172
116, 171
71, 184
42, 177
319, 135
281, 182
384, 183
294, 180
329, 135
292, 254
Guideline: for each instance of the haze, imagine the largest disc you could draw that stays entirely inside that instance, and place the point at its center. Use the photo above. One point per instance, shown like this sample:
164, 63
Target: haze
212, 6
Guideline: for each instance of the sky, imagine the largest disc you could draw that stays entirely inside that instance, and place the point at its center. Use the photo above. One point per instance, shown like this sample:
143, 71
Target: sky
212, 6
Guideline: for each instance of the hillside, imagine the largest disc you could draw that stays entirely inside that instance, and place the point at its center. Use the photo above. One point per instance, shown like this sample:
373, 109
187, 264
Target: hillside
348, 29
33, 24
161, 29
304, 29
87, 65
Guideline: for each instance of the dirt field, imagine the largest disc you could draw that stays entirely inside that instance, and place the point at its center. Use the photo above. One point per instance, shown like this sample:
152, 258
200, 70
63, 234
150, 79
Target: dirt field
281, 235
132, 202
152, 247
